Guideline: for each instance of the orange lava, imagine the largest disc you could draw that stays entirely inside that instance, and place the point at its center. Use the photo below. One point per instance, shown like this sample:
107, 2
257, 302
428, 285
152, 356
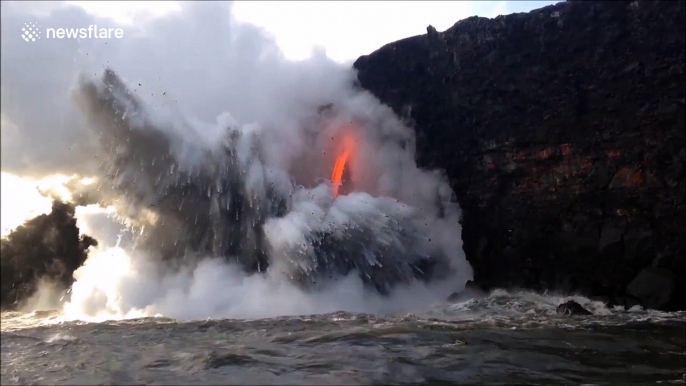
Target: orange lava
348, 146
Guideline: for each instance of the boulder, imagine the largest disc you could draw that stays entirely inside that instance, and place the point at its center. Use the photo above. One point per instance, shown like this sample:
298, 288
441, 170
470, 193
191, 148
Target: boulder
655, 287
454, 297
572, 308
470, 288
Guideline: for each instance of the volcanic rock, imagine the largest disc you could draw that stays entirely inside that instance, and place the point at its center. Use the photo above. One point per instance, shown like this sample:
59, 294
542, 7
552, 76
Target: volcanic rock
454, 297
572, 308
470, 289
47, 247
562, 132
655, 288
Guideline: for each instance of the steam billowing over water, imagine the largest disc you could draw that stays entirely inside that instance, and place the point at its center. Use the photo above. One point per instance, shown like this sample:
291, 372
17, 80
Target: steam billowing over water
218, 165
241, 220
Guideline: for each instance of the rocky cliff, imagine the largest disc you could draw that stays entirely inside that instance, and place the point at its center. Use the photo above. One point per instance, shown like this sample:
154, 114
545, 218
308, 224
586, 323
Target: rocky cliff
47, 248
562, 132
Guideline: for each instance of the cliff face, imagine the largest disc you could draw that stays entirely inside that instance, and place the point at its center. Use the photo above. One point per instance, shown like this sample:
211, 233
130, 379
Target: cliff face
47, 247
562, 132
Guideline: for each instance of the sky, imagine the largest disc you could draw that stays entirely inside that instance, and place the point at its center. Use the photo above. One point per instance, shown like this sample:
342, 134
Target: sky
34, 82
344, 29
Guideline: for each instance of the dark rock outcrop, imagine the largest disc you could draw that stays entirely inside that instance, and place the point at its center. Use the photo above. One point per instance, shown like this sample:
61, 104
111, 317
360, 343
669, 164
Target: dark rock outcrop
654, 287
46, 247
572, 308
562, 132
470, 289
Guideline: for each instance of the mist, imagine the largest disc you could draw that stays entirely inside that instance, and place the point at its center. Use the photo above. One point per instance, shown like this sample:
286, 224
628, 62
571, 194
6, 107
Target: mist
216, 153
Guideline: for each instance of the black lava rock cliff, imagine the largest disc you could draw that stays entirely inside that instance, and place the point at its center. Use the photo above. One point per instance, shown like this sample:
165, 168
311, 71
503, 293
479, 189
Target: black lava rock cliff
562, 132
47, 247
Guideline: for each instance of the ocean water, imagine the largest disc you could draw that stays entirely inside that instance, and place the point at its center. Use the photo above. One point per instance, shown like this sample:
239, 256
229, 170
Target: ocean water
500, 338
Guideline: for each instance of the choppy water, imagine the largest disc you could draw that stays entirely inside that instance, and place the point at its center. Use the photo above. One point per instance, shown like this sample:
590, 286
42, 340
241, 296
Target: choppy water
500, 339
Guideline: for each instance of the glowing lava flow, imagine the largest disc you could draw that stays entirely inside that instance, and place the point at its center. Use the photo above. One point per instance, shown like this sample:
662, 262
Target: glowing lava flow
339, 166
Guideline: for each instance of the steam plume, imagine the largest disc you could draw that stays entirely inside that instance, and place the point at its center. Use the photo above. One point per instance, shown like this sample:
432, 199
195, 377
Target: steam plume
228, 192
224, 176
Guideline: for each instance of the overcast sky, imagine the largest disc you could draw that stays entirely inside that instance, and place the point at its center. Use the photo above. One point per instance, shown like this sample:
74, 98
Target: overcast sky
345, 29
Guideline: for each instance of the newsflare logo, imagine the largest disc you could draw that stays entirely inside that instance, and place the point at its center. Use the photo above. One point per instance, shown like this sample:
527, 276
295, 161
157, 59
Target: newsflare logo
31, 32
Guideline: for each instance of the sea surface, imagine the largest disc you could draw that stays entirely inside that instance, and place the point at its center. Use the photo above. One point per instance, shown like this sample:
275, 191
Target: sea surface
501, 338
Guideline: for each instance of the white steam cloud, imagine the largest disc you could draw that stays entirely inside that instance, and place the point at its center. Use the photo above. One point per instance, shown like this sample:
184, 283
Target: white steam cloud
217, 151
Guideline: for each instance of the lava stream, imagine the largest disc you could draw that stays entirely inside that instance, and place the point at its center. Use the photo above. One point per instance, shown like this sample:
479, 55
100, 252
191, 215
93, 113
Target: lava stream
339, 166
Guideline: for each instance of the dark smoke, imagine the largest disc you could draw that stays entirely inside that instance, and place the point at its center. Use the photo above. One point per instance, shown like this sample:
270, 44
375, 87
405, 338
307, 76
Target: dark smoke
47, 247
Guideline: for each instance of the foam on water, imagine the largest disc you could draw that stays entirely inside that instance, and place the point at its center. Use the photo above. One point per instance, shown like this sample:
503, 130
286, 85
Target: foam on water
500, 309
